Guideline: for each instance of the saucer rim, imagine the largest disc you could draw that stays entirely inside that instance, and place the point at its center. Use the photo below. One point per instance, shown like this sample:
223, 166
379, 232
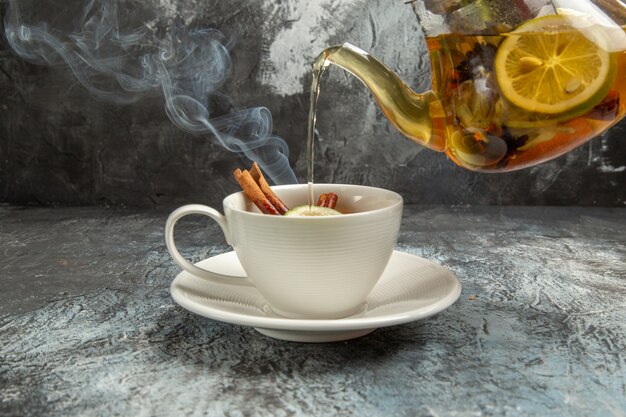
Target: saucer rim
321, 325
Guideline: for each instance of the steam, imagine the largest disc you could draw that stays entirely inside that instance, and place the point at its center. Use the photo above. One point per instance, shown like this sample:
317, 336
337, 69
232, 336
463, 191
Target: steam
121, 65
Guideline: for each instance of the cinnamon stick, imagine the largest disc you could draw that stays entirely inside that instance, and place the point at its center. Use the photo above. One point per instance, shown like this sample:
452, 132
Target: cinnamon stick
252, 190
328, 200
258, 177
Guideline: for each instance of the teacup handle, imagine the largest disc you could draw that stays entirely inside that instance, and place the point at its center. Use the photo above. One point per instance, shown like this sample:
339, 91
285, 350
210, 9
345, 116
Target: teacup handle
178, 214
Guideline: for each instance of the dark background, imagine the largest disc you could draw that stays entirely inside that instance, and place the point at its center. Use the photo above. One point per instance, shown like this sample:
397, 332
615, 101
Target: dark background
59, 145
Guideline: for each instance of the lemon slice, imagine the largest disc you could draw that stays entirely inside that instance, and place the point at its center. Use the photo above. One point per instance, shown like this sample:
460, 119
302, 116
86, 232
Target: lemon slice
548, 66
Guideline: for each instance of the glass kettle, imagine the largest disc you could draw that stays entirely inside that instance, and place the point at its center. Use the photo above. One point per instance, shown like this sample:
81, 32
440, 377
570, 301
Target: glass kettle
514, 83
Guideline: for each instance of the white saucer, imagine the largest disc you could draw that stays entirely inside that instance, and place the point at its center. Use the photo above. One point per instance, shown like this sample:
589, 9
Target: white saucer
410, 289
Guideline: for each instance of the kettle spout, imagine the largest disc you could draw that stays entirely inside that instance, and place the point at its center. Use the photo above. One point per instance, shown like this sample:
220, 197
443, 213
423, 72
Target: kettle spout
419, 117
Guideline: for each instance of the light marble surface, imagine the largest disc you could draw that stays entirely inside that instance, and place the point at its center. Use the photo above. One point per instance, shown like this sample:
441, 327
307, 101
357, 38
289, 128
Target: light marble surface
87, 325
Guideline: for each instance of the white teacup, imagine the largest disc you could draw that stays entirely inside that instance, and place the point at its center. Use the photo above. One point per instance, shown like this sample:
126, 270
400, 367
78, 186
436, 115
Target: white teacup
306, 267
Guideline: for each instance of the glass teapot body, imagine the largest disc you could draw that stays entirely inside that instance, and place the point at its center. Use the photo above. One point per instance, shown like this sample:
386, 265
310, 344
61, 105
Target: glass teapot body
514, 83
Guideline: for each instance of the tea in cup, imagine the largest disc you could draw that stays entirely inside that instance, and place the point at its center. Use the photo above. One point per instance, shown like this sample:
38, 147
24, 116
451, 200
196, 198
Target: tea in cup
306, 267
